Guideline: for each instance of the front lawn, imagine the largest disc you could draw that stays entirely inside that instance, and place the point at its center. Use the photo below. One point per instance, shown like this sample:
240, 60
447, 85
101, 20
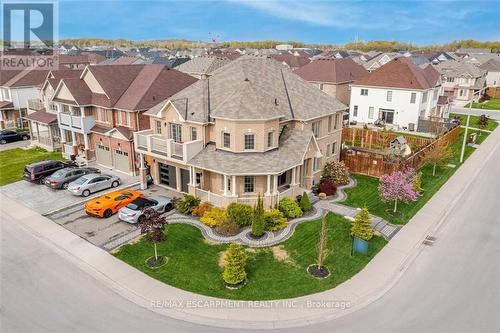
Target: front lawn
365, 194
491, 104
12, 162
194, 263
492, 124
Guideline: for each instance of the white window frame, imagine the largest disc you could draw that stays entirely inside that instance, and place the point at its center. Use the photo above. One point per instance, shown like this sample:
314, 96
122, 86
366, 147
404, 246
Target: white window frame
371, 112
389, 96
336, 121
316, 164
157, 126
364, 92
194, 131
248, 135
270, 139
355, 111
250, 182
224, 139
413, 98
316, 128
424, 96
334, 148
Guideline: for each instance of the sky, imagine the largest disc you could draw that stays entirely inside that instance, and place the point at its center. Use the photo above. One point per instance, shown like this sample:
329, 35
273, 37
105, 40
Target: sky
332, 22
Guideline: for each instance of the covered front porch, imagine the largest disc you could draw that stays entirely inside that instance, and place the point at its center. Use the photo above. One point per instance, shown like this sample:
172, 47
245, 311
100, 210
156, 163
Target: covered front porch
44, 131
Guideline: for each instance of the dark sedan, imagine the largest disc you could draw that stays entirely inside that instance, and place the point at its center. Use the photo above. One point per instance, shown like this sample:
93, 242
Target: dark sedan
11, 136
61, 178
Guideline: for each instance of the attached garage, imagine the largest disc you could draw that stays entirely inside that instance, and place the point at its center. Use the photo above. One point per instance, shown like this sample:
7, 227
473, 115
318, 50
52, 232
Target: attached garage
103, 155
121, 160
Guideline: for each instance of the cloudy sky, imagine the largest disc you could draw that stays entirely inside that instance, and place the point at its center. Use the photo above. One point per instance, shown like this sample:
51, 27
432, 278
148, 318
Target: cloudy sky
337, 22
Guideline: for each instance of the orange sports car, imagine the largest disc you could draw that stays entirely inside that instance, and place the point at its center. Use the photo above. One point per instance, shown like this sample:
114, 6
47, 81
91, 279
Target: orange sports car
110, 203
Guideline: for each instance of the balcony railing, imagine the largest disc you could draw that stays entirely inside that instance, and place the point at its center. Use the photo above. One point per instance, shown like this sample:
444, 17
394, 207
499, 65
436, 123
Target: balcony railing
75, 123
69, 149
35, 104
146, 141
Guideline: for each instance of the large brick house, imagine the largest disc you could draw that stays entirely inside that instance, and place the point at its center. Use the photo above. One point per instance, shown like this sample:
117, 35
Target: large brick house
99, 110
253, 127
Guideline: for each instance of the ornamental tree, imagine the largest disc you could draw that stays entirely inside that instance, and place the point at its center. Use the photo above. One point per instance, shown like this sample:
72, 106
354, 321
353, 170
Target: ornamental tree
439, 155
153, 225
397, 186
337, 172
234, 265
258, 223
362, 225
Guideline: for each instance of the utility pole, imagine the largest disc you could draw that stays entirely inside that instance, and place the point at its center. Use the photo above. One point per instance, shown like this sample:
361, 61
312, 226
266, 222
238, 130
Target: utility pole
467, 125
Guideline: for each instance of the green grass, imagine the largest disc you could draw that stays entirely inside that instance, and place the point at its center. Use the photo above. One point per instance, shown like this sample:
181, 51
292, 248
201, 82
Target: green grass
492, 124
193, 262
491, 104
365, 194
12, 162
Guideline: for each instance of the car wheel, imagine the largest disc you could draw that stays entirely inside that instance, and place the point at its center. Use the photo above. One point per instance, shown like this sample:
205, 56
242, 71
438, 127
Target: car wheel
169, 207
86, 193
2, 142
107, 213
140, 219
42, 180
65, 186
24, 137
115, 183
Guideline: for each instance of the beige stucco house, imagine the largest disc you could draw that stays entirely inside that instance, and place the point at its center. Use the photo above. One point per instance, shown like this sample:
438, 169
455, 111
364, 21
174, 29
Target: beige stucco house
252, 128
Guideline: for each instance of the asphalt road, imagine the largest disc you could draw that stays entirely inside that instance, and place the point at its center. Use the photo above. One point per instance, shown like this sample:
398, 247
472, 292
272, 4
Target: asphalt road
477, 112
452, 286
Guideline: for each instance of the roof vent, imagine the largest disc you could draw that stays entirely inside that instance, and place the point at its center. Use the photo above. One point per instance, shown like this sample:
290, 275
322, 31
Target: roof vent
276, 101
154, 98
247, 80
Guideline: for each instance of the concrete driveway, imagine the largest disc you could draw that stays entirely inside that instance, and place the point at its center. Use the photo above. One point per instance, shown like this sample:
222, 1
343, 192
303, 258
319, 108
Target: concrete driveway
106, 233
43, 199
17, 144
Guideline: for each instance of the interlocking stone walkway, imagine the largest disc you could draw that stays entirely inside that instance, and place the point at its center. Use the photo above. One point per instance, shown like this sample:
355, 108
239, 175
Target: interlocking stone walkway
321, 207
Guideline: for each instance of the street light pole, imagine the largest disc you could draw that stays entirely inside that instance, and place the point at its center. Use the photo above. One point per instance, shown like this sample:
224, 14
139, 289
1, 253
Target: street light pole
467, 124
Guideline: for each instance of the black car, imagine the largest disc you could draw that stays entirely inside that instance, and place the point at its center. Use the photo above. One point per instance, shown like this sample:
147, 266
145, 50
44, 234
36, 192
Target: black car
11, 136
36, 172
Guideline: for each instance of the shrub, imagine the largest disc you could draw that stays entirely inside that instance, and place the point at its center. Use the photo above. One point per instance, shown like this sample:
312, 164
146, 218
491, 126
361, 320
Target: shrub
234, 265
327, 186
361, 227
305, 203
187, 204
213, 217
201, 209
227, 228
417, 184
337, 172
289, 208
258, 223
275, 220
241, 214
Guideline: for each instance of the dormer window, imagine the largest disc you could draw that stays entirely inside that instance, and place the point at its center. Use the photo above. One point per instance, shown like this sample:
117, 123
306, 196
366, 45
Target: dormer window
226, 140
249, 141
270, 139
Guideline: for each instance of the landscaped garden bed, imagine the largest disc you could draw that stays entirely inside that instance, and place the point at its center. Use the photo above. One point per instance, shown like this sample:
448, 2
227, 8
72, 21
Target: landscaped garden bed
274, 272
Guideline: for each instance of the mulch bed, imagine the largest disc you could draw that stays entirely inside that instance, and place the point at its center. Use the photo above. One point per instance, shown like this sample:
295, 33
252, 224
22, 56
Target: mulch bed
151, 262
318, 272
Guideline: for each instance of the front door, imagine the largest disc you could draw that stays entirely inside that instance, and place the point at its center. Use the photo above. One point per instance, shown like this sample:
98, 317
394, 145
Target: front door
167, 175
184, 180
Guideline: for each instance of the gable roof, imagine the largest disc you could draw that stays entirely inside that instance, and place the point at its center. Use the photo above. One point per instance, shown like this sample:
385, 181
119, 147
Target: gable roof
491, 66
25, 78
250, 81
458, 69
291, 60
401, 73
128, 87
203, 65
332, 71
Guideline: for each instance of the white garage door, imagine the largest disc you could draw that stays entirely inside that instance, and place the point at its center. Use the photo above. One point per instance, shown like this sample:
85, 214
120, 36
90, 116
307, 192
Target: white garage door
121, 161
103, 155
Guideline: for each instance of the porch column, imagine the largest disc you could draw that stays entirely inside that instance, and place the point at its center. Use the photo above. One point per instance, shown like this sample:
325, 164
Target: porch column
142, 173
293, 180
268, 192
178, 178
275, 185
86, 141
233, 185
192, 178
225, 185
37, 132
73, 138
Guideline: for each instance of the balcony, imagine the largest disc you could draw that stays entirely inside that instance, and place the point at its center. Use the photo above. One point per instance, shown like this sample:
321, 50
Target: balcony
147, 142
75, 123
35, 105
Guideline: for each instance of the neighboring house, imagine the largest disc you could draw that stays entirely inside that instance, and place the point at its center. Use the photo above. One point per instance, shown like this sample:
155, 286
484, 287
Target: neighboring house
333, 76
473, 51
252, 128
42, 112
79, 61
16, 88
66, 48
291, 60
380, 60
461, 79
202, 67
399, 93
492, 68
99, 110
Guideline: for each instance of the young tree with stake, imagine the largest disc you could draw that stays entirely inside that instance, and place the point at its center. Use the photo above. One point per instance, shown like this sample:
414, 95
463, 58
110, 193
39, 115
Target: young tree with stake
439, 155
153, 225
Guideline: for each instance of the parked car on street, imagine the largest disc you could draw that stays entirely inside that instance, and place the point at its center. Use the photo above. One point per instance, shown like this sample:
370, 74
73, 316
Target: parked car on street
37, 172
94, 182
133, 212
109, 204
62, 178
7, 136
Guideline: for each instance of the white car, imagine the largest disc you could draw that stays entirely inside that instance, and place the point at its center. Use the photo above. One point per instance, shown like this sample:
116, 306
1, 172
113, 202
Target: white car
132, 213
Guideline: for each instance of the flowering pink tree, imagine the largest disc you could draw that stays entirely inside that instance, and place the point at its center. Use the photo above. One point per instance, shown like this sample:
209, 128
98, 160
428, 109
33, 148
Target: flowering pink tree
398, 186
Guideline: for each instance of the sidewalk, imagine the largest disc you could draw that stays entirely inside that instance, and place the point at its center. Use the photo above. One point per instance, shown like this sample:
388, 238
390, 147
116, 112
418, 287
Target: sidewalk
365, 287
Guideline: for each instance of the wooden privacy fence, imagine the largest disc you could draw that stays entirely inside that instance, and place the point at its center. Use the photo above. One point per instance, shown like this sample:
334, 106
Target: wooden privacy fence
376, 164
364, 138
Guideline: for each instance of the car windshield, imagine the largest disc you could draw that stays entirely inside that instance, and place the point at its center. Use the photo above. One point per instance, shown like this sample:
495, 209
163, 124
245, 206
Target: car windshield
137, 204
28, 168
59, 174
80, 180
